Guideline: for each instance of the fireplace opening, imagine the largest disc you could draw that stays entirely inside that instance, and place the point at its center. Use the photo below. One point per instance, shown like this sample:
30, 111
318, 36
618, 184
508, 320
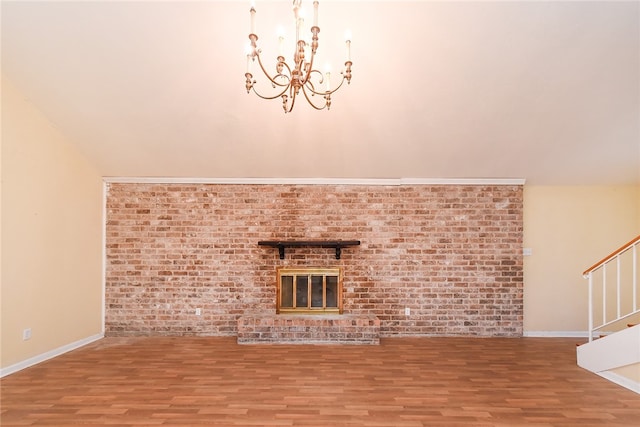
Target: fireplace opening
309, 290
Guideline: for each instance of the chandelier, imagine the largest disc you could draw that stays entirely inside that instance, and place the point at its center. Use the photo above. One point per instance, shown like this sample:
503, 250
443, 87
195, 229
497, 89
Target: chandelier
289, 80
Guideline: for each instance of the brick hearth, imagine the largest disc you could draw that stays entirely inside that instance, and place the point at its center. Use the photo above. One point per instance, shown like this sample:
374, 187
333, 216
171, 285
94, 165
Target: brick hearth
318, 329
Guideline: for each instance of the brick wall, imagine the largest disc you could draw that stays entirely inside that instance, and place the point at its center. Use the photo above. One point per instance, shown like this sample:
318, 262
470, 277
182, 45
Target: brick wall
450, 253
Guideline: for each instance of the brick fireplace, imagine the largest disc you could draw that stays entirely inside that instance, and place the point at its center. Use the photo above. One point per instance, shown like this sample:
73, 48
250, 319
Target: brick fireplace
309, 304
183, 259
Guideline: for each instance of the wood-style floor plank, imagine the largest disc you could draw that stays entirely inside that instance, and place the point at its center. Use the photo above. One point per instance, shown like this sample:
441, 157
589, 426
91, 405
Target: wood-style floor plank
404, 382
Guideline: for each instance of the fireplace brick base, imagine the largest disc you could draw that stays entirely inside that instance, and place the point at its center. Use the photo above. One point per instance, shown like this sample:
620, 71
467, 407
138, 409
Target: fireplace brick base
308, 329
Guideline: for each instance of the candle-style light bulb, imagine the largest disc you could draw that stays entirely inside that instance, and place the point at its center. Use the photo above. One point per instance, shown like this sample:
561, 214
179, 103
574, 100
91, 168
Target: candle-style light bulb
347, 38
252, 11
299, 24
315, 13
296, 8
280, 34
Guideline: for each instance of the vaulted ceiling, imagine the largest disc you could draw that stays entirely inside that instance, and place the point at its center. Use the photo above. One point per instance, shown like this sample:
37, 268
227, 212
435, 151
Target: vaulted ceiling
547, 91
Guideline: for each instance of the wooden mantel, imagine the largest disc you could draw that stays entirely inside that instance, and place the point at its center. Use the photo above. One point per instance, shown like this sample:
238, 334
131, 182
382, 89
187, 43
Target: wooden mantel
282, 244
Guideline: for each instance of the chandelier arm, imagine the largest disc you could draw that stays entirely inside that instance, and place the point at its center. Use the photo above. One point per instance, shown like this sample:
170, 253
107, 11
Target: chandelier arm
310, 68
328, 92
309, 82
310, 86
293, 94
304, 91
273, 79
270, 97
285, 65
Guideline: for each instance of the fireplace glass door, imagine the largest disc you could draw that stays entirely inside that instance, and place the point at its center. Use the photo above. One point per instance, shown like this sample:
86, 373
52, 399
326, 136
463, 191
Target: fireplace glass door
309, 290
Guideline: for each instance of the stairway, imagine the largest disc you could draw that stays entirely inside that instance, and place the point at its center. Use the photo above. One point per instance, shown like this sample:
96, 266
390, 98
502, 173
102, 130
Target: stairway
614, 300
615, 357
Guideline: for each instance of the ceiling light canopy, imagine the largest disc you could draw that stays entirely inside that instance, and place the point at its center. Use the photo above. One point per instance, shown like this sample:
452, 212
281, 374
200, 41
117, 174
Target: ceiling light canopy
289, 80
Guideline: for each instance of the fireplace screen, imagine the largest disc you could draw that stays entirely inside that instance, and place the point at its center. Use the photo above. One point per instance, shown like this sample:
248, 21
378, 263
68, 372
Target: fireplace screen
309, 290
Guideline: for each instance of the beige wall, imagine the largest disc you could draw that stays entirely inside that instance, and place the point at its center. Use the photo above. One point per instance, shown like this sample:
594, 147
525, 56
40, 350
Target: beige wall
51, 236
568, 229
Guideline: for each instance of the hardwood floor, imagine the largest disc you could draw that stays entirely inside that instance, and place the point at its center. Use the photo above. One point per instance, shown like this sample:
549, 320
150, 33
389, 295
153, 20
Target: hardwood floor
402, 382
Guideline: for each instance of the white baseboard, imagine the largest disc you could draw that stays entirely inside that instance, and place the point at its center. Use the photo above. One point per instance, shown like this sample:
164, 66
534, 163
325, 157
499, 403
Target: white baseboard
557, 334
620, 380
48, 355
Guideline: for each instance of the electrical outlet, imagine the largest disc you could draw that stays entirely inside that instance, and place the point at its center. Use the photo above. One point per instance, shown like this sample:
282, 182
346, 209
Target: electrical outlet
407, 311
198, 311
26, 334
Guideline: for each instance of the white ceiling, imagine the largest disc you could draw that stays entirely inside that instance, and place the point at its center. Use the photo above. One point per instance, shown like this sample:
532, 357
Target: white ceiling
546, 91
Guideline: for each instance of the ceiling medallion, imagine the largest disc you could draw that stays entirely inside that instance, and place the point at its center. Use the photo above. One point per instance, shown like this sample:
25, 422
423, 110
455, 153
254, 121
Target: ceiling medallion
289, 80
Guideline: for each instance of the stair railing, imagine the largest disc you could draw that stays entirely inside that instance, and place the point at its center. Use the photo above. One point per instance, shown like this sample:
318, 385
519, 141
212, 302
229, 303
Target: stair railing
614, 260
